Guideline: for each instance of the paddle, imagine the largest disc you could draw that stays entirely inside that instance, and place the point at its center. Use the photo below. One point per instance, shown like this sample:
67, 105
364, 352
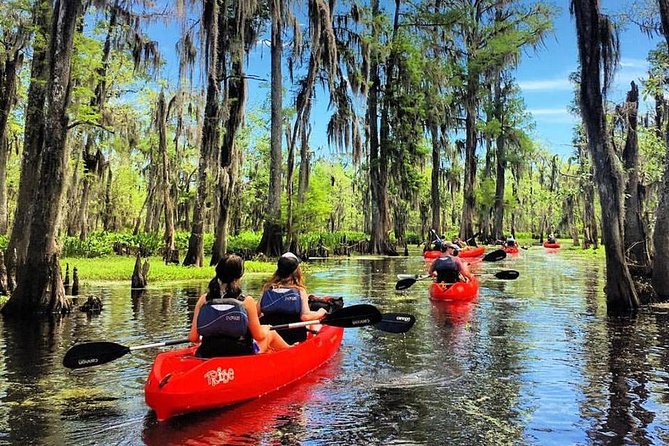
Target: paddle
406, 280
396, 322
495, 256
95, 353
403, 284
508, 274
347, 317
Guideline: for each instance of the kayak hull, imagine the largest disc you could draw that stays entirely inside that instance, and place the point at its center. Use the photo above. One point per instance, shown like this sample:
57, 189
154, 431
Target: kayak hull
180, 383
459, 291
472, 252
432, 254
511, 250
551, 245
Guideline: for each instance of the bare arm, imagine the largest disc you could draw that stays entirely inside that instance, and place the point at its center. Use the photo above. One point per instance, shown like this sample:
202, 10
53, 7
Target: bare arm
193, 335
258, 331
307, 314
464, 270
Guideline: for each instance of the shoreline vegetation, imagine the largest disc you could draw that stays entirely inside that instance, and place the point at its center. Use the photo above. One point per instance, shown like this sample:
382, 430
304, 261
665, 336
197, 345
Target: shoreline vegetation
117, 269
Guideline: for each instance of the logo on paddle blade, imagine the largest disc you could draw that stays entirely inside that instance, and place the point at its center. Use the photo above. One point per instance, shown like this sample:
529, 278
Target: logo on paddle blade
403, 318
218, 376
361, 321
87, 361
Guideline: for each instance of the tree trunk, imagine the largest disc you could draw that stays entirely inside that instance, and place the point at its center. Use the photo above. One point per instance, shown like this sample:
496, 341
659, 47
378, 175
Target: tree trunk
210, 135
500, 166
235, 101
39, 286
435, 193
378, 163
660, 278
620, 292
271, 243
635, 230
469, 199
33, 139
8, 75
169, 252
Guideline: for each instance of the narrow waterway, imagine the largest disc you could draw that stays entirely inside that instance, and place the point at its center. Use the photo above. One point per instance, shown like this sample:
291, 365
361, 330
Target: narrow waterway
530, 361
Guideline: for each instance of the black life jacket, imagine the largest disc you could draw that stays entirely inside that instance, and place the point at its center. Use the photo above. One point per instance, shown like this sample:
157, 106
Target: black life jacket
447, 270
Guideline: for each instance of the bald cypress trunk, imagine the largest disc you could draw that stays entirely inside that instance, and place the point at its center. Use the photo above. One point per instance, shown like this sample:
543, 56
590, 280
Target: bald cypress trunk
635, 230
661, 234
272, 239
39, 284
621, 295
32, 142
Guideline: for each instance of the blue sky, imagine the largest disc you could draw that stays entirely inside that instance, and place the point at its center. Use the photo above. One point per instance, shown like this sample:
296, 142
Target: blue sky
544, 78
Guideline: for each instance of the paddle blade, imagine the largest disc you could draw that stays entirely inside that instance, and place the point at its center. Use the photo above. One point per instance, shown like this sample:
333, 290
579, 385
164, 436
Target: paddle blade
396, 322
353, 316
495, 256
507, 275
404, 284
93, 353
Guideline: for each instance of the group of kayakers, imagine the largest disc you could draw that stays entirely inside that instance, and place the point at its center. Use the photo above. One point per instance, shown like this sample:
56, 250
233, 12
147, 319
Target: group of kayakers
228, 323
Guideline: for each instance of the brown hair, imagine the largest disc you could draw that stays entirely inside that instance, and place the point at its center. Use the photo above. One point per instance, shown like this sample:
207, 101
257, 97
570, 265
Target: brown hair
293, 280
228, 271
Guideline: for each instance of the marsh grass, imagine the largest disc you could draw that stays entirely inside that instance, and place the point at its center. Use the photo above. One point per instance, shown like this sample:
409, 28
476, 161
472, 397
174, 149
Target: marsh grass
120, 268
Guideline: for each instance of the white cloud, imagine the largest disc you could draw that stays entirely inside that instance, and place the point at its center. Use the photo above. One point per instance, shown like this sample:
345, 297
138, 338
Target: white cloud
548, 111
546, 85
633, 63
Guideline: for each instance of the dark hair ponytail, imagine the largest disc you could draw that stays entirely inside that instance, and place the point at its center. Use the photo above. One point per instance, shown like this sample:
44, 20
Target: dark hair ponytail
228, 270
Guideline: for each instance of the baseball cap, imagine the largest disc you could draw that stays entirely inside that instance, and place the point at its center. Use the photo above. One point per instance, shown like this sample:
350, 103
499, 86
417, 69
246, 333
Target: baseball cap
287, 264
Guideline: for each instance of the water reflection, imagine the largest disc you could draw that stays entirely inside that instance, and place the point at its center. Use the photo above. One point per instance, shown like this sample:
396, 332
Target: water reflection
532, 361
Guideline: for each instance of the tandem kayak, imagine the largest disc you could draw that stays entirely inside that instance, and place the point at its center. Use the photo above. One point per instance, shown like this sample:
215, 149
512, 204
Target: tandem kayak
432, 254
472, 251
511, 249
180, 382
551, 245
455, 291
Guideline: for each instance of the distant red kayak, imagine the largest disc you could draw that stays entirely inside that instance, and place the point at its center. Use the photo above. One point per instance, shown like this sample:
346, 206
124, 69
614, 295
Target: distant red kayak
472, 251
457, 291
432, 254
180, 383
511, 249
551, 245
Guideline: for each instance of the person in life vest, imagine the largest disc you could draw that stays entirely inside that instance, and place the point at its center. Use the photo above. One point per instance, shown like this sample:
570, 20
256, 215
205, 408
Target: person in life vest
552, 239
226, 320
510, 242
448, 268
285, 300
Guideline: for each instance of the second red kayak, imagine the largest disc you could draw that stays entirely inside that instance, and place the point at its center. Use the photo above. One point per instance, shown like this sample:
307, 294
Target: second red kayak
511, 250
462, 291
180, 382
472, 251
551, 245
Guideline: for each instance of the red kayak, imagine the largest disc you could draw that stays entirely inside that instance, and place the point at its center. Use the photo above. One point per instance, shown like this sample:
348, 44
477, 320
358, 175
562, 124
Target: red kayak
456, 291
432, 254
472, 251
551, 245
511, 249
180, 383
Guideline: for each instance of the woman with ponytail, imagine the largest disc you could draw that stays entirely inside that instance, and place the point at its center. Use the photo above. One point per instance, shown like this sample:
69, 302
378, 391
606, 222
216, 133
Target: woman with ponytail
226, 320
